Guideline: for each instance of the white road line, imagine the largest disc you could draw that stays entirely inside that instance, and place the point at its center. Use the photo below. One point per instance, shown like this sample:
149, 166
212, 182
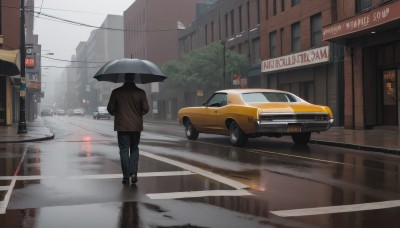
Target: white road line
294, 156
337, 209
4, 188
4, 204
178, 195
102, 176
224, 180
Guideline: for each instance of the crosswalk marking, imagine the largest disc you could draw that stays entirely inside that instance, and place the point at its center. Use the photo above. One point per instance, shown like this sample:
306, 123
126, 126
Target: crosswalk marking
100, 176
337, 209
193, 194
208, 174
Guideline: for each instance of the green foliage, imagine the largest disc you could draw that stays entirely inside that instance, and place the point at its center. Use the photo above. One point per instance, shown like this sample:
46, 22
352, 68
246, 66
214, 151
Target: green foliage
203, 68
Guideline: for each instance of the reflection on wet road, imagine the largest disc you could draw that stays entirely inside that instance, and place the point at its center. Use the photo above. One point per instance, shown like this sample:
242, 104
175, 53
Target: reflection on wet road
75, 181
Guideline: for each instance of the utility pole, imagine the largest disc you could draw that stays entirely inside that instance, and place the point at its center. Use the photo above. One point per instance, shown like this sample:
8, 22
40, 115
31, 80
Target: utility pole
22, 94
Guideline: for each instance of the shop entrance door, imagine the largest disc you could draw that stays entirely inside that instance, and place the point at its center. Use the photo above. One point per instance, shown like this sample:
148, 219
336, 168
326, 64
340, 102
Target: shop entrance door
390, 102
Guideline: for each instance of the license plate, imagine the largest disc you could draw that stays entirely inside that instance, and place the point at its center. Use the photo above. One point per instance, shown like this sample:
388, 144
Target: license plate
294, 128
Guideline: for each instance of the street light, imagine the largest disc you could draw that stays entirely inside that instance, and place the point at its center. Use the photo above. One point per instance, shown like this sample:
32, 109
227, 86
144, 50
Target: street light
223, 42
22, 120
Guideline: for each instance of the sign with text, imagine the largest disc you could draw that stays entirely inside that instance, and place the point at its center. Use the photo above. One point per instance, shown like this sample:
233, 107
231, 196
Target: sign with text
310, 57
29, 62
33, 85
381, 15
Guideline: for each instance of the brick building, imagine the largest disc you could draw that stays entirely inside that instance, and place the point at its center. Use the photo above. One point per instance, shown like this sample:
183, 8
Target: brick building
152, 33
294, 57
232, 23
369, 29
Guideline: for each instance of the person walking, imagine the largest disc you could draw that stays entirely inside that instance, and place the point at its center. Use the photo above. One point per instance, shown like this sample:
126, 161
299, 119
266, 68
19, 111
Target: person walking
128, 104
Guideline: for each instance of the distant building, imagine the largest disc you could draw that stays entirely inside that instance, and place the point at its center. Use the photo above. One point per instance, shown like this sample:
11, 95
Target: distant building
151, 32
103, 45
369, 29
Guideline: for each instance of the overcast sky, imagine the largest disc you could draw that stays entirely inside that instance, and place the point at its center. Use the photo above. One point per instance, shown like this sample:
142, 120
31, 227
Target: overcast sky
62, 38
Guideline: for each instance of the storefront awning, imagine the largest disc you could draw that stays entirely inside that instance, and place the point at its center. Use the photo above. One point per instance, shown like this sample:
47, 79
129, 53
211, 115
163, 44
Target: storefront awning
383, 17
9, 62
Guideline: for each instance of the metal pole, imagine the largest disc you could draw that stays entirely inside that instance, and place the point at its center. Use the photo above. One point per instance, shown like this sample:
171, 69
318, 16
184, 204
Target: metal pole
22, 119
223, 63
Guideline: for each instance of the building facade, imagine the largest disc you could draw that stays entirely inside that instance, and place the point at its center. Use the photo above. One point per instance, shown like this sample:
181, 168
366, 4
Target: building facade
369, 30
294, 56
103, 45
235, 25
10, 83
151, 32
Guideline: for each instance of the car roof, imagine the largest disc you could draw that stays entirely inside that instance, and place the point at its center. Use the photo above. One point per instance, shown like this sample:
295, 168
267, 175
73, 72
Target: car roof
241, 91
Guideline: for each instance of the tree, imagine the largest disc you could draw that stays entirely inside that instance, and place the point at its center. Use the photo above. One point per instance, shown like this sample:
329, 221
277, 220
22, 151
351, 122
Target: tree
202, 69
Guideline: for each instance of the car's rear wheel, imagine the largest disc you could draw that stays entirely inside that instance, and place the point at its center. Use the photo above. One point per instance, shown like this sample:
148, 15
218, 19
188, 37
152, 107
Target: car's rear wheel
191, 132
236, 135
301, 138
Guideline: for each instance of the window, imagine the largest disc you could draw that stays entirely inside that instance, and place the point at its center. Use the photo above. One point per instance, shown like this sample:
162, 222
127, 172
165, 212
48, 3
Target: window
295, 2
206, 34
272, 44
316, 34
232, 23
226, 25
274, 7
268, 97
212, 32
255, 58
217, 100
281, 39
258, 12
296, 37
282, 5
240, 19
363, 4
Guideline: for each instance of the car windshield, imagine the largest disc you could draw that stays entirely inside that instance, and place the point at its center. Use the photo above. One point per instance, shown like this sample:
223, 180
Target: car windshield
268, 97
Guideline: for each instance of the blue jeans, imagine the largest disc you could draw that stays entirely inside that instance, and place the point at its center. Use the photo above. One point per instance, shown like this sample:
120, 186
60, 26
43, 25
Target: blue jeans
128, 143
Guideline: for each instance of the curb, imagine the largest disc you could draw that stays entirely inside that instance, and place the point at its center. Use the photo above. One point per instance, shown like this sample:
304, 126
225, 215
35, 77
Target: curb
30, 140
356, 147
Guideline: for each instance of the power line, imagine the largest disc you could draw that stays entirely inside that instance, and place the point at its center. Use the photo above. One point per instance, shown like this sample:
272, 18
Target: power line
70, 61
50, 17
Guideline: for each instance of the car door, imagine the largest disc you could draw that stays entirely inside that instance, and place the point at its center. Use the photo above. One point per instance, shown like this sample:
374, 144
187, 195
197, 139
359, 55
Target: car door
208, 116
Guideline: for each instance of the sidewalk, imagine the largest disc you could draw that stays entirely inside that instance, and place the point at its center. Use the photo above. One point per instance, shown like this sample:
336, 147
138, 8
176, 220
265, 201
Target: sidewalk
386, 141
37, 131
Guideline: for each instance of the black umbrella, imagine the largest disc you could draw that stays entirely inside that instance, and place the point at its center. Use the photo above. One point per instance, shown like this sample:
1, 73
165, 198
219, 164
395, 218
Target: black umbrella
145, 71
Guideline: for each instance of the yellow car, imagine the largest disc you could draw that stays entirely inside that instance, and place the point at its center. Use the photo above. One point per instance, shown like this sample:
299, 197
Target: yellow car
244, 113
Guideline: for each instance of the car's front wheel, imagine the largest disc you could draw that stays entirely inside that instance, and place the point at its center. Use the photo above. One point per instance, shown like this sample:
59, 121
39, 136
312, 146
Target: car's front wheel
191, 132
301, 138
236, 135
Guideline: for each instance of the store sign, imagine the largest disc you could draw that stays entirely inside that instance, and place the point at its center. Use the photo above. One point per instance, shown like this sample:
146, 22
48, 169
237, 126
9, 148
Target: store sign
310, 57
29, 62
33, 85
363, 21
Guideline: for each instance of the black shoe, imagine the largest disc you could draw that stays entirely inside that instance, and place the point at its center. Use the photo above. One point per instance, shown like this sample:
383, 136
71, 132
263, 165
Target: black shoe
134, 178
125, 181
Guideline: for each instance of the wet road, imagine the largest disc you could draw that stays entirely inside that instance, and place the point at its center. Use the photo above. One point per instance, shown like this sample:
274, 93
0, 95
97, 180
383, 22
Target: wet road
75, 181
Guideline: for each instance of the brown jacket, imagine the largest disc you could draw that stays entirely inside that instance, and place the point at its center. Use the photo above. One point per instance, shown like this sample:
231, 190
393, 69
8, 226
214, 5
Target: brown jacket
128, 104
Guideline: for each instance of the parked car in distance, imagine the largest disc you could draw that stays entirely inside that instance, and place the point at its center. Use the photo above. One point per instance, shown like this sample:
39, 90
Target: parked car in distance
78, 112
46, 112
101, 112
60, 112
244, 113
70, 112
